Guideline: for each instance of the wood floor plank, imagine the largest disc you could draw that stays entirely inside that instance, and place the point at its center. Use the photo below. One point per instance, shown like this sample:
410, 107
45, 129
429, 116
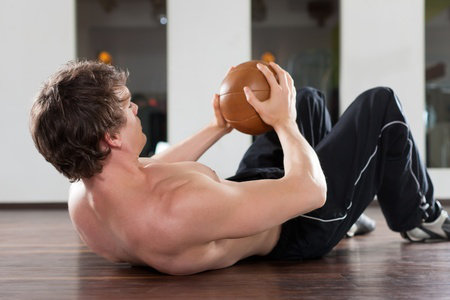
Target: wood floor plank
41, 257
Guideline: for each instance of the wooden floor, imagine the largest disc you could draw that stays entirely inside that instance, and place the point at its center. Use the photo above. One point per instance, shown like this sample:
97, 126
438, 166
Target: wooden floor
41, 257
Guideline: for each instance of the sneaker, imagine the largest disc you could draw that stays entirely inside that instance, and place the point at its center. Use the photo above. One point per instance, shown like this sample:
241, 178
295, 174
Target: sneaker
363, 225
438, 230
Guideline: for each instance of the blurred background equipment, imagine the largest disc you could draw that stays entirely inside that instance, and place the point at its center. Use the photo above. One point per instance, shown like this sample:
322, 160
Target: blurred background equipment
321, 10
153, 121
108, 5
311, 68
159, 11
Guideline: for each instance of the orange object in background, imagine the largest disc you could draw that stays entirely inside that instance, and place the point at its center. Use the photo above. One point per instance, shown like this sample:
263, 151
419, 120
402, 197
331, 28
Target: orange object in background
268, 57
152, 102
105, 57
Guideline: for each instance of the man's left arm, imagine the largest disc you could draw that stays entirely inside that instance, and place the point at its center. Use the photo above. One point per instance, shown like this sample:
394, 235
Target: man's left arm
193, 147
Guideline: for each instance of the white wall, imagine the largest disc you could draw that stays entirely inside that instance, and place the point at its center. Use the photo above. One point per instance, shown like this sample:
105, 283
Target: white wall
36, 38
382, 43
205, 38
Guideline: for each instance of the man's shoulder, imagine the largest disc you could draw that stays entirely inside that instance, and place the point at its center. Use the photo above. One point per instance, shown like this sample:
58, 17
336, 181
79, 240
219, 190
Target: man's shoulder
174, 179
77, 193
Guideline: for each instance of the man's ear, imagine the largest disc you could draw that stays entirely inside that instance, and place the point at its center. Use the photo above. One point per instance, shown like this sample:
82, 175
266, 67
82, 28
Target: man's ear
113, 140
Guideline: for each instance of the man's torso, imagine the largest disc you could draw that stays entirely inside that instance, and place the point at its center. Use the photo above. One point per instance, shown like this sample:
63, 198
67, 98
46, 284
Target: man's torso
131, 221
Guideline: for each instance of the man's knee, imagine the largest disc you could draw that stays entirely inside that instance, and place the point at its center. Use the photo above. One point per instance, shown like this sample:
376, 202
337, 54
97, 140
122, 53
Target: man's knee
384, 92
310, 96
381, 97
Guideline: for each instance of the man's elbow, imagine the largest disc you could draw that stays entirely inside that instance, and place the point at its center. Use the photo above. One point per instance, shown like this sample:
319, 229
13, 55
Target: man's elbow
321, 195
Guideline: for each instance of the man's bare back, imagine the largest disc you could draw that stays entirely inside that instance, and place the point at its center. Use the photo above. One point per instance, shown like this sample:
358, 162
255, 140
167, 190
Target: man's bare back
138, 224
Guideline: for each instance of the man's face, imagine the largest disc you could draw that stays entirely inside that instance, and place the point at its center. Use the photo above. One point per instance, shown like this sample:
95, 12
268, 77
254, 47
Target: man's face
131, 133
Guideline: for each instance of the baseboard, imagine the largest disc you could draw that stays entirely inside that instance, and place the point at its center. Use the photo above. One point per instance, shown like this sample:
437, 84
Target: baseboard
58, 205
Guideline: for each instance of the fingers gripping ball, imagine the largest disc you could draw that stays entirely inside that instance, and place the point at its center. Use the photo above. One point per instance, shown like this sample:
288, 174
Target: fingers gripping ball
233, 104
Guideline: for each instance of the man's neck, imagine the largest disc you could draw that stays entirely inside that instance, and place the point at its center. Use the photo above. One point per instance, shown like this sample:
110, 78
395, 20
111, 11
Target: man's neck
117, 167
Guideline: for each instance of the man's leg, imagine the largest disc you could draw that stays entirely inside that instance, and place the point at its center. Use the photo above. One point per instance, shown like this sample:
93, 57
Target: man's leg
264, 158
370, 151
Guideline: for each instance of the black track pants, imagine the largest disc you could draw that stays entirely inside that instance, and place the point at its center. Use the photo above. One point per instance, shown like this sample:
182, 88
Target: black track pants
370, 151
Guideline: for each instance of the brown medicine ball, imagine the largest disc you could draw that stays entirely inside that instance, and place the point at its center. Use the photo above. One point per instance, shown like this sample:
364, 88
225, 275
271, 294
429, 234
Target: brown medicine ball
233, 104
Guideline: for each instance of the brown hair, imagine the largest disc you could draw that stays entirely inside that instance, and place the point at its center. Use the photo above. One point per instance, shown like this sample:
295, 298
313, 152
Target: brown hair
74, 110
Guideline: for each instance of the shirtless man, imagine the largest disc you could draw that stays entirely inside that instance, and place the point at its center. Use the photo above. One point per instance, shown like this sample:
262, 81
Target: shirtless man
179, 217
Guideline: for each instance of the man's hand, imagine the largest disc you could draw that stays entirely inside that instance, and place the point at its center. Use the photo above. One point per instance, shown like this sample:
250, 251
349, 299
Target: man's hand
219, 120
280, 107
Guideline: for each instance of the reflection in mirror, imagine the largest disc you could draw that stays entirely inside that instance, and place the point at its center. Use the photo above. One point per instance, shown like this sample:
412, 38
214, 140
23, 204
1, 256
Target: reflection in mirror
302, 36
437, 49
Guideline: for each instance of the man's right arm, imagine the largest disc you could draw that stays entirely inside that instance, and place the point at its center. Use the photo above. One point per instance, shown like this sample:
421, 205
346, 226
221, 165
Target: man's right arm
215, 210
300, 159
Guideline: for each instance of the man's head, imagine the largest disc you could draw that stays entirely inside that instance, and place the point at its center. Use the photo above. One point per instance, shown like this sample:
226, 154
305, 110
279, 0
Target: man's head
77, 116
